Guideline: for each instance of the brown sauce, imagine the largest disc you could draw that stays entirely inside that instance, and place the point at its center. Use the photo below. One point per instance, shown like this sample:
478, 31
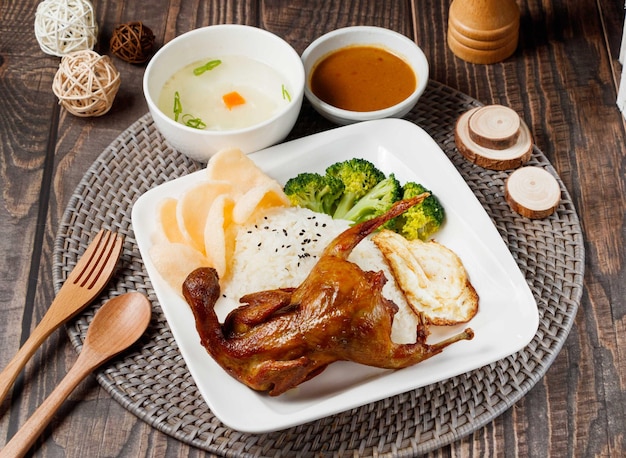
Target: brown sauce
362, 78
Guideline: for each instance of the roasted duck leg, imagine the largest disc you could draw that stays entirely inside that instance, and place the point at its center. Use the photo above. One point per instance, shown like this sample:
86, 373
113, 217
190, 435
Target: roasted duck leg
281, 338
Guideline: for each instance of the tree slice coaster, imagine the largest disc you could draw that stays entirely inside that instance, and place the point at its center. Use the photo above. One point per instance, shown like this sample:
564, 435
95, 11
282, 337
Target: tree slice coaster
498, 146
494, 127
532, 192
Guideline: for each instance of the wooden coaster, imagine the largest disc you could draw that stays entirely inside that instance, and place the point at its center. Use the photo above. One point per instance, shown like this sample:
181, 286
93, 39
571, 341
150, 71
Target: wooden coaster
494, 127
532, 192
493, 137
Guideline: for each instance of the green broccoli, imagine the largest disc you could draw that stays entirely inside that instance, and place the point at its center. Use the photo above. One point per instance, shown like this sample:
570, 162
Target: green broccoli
358, 176
314, 191
377, 201
422, 220
357, 191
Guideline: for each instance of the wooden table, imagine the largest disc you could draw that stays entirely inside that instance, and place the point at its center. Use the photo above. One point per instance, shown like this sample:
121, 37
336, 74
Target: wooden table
562, 80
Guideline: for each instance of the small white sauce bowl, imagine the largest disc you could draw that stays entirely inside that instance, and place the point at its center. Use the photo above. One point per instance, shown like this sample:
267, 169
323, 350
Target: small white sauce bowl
389, 40
218, 41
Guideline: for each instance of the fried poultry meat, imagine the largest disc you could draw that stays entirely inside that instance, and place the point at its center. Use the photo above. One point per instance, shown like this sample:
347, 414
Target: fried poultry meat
281, 338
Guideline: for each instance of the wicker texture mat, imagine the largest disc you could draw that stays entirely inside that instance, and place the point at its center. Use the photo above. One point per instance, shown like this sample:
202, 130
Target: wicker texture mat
152, 380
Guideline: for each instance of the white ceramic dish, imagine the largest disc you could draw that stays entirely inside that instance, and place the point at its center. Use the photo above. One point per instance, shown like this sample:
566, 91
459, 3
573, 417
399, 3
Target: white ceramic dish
506, 322
393, 41
219, 41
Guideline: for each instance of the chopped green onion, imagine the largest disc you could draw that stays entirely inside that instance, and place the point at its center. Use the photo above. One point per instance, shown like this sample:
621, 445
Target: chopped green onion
210, 65
178, 107
192, 121
286, 95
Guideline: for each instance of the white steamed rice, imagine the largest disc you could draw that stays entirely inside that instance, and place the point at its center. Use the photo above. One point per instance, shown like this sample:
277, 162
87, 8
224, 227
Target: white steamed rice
280, 249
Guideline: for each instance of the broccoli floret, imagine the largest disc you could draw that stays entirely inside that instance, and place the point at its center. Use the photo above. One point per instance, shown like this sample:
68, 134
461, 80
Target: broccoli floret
357, 191
314, 191
422, 220
358, 176
377, 201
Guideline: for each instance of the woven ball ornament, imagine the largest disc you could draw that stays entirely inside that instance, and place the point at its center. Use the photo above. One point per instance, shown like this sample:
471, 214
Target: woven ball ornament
132, 42
64, 26
86, 83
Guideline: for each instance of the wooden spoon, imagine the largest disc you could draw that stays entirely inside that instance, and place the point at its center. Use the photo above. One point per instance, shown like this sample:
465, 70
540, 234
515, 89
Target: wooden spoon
115, 327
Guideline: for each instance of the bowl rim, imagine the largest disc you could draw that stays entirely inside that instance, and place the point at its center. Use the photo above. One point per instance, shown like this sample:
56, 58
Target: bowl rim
198, 31
363, 115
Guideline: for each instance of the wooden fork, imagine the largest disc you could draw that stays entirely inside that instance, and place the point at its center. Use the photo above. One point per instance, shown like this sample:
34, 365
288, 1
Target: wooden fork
88, 278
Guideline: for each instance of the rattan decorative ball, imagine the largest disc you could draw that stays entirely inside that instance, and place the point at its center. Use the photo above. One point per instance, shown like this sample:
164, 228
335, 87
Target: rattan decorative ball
132, 42
86, 83
64, 26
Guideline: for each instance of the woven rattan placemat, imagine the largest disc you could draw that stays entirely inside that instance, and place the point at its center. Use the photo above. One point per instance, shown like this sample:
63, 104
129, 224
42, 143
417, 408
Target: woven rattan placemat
152, 381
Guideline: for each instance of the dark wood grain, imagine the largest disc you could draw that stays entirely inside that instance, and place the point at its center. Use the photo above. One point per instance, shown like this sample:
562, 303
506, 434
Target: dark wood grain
562, 79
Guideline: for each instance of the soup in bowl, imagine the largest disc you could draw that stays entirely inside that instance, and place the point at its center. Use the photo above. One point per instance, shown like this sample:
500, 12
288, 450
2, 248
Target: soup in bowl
224, 86
362, 73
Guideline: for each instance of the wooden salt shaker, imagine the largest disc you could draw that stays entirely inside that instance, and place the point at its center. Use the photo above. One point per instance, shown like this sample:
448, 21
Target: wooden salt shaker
483, 31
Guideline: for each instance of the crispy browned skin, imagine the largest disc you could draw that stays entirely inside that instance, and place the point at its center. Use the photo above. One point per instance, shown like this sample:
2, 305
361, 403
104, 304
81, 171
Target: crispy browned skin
282, 338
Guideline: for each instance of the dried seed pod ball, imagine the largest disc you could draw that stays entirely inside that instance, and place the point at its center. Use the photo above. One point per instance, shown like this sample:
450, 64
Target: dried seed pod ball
86, 83
64, 26
132, 42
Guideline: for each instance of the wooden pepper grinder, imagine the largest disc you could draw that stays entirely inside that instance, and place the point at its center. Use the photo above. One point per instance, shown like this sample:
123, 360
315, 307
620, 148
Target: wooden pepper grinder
483, 31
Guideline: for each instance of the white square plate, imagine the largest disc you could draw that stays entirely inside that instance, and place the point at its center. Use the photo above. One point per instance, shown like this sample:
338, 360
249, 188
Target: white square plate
507, 319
